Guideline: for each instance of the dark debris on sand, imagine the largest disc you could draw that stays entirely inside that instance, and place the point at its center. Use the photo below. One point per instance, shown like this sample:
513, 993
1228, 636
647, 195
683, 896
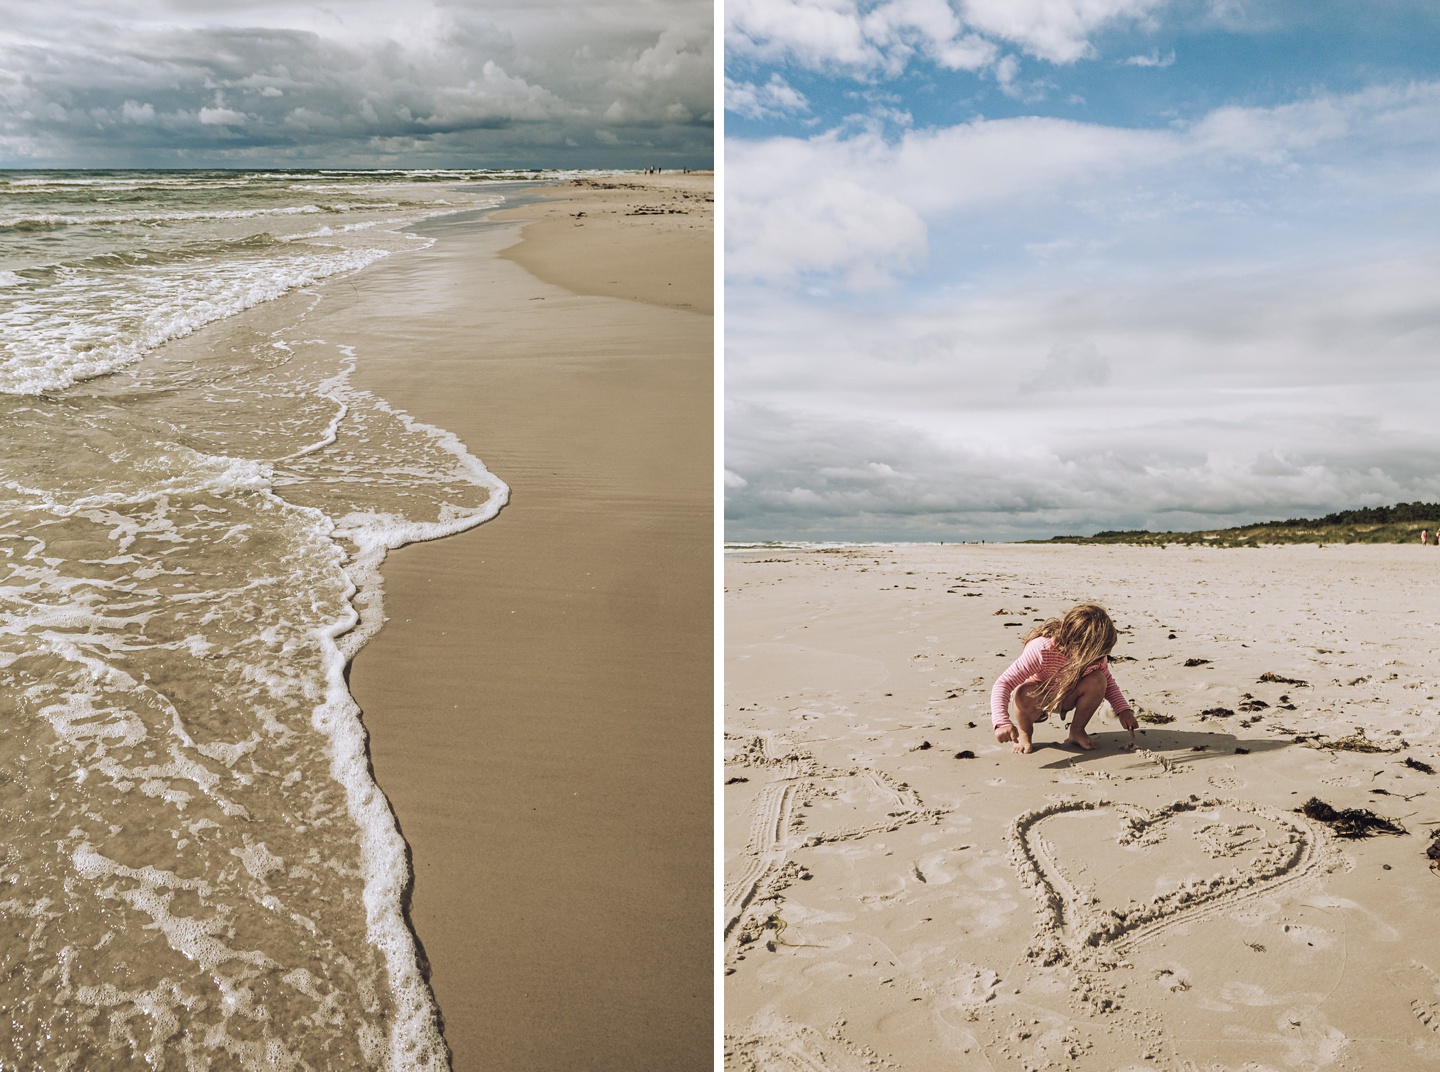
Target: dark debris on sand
1268, 678
1433, 852
1197, 662
1419, 764
966, 754
1349, 822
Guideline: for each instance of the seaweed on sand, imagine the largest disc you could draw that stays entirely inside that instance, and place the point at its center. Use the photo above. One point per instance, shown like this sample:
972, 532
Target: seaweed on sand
1434, 851
1276, 679
1356, 742
1349, 822
1419, 764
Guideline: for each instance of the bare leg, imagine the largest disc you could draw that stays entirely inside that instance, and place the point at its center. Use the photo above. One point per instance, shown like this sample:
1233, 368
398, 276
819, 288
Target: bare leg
1026, 711
1086, 697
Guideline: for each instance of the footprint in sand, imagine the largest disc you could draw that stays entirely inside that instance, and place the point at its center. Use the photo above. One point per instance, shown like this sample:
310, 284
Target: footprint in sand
1221, 781
1422, 986
973, 986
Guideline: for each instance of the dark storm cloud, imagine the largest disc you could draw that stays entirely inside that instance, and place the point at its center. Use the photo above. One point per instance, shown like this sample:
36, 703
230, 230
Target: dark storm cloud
443, 84
797, 474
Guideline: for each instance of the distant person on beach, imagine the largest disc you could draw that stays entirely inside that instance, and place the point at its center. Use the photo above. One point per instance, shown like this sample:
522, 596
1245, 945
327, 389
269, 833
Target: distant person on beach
1425, 536
1064, 667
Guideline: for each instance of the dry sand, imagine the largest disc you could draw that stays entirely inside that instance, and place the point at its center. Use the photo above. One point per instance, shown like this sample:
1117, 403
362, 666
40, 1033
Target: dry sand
647, 239
539, 703
891, 905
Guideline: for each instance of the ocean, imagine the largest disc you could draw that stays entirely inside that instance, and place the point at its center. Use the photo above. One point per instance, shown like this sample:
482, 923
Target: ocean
199, 871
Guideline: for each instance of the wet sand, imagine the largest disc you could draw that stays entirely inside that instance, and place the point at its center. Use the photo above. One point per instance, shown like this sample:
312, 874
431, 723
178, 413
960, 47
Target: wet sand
902, 892
539, 701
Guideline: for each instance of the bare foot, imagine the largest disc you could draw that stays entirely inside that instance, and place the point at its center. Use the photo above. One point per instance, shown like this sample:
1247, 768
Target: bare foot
1022, 744
1081, 739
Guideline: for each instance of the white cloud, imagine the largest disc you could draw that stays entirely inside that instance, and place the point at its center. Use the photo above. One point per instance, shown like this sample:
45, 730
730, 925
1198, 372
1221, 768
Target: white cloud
859, 36
788, 218
785, 220
809, 33
869, 38
1005, 72
858, 206
1054, 30
495, 96
902, 28
773, 98
1153, 59
212, 117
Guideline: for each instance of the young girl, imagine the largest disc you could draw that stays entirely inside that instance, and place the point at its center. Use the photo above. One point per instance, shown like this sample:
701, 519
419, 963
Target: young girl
1063, 667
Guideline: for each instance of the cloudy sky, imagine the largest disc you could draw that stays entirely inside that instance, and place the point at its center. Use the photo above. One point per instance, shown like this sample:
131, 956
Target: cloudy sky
462, 83
1011, 268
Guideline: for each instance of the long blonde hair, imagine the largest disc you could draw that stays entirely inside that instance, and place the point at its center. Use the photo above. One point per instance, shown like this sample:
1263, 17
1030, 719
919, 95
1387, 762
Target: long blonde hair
1085, 635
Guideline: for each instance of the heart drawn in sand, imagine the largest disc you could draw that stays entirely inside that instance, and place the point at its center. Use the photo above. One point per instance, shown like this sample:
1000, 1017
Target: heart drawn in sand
1272, 849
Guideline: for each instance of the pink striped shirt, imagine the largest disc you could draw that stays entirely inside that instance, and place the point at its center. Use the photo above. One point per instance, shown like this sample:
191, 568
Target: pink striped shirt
1042, 661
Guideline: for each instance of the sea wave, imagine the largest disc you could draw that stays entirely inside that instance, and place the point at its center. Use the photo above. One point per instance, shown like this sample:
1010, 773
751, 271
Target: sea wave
43, 350
50, 220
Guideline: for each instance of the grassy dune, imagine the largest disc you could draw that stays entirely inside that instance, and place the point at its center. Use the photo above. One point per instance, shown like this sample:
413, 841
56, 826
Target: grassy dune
1401, 523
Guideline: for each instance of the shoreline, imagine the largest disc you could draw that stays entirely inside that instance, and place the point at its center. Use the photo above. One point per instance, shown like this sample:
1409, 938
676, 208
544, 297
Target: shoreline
240, 432
538, 702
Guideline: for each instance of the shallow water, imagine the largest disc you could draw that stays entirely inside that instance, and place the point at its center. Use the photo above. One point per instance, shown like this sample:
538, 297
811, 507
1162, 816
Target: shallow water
199, 871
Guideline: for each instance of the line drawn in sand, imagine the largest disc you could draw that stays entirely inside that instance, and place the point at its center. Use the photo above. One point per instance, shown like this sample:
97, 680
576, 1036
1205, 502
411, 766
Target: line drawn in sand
1074, 928
776, 828
774, 1043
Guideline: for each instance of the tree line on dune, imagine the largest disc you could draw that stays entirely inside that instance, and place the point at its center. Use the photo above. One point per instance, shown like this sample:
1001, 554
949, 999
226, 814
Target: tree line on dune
1367, 524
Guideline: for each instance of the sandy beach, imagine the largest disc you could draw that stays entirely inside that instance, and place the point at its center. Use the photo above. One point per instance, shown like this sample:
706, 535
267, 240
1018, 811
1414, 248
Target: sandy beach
539, 703
903, 893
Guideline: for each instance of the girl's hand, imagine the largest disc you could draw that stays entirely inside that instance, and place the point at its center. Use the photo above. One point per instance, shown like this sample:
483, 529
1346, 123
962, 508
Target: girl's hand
1127, 719
1006, 733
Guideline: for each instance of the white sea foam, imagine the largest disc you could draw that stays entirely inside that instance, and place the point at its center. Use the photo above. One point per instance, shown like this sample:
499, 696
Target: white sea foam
44, 351
53, 219
415, 1041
